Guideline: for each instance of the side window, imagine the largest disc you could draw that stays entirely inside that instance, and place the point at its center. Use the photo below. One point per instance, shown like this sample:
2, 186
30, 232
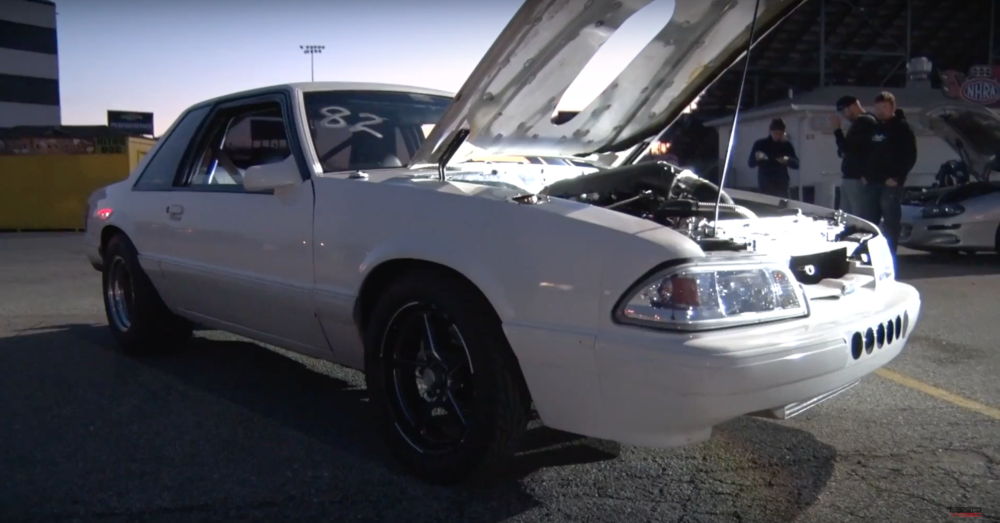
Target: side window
237, 139
162, 167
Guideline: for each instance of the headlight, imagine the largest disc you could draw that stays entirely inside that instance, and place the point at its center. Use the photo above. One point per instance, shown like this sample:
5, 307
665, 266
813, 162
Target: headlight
943, 210
712, 296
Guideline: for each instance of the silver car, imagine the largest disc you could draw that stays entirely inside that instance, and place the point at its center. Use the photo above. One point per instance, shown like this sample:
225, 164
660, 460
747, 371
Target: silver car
962, 218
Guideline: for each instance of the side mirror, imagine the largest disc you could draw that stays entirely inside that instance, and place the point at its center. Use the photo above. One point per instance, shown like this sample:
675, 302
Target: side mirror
273, 176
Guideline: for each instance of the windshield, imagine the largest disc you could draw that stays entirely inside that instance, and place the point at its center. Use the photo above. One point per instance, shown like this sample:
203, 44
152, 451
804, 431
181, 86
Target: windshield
367, 130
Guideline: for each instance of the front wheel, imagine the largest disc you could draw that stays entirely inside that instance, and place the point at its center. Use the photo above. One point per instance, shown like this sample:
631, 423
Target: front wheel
140, 322
446, 387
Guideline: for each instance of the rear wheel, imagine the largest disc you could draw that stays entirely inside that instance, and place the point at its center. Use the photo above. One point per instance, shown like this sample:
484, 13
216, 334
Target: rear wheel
140, 322
446, 387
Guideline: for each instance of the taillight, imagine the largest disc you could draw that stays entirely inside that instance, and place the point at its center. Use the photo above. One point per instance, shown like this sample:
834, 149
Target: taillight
103, 214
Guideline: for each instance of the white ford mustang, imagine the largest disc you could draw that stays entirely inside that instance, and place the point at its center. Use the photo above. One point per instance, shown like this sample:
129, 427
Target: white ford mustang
316, 217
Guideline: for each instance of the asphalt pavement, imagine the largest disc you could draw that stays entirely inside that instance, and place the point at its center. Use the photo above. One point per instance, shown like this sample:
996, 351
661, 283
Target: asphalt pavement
229, 430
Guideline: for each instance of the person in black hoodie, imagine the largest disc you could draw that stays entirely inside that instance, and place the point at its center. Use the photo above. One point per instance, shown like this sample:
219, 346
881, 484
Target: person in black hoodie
772, 157
854, 148
894, 153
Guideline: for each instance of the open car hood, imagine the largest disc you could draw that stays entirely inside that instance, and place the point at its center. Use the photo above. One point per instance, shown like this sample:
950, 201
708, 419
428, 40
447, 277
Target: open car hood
506, 105
976, 127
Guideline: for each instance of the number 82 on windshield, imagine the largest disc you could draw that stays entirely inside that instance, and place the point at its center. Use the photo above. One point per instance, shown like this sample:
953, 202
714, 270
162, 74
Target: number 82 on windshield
334, 119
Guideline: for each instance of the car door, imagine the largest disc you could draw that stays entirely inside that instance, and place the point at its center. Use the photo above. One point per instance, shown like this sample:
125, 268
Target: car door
153, 192
240, 260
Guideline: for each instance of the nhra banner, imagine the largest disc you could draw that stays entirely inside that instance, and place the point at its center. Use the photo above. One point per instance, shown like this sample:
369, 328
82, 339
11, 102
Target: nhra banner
980, 86
132, 122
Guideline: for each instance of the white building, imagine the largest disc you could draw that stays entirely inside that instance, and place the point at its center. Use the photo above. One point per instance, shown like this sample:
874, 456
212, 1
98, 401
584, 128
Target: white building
807, 120
29, 64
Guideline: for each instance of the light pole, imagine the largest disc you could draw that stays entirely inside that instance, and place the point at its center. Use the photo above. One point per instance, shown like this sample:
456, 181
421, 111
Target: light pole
312, 51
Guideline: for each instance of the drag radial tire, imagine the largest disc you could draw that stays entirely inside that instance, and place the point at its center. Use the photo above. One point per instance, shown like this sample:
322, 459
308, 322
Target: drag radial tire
445, 386
140, 322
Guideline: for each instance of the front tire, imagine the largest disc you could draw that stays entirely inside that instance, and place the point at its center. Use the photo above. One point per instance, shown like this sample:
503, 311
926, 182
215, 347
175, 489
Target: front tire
139, 320
446, 387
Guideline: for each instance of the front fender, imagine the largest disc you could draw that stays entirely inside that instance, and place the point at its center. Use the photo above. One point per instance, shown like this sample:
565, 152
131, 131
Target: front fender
436, 249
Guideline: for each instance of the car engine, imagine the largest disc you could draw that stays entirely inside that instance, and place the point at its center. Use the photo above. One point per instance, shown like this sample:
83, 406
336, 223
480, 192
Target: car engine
818, 247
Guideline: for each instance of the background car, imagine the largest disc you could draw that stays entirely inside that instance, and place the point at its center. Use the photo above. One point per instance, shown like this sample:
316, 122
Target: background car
965, 217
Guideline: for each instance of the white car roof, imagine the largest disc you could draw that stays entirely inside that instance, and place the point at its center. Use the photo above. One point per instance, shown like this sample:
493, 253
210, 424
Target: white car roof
307, 87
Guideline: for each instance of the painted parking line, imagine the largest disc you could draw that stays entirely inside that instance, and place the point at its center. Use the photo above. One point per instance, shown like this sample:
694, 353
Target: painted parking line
942, 394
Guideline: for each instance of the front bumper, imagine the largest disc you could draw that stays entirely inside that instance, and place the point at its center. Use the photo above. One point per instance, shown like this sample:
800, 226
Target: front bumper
659, 389
948, 234
921, 235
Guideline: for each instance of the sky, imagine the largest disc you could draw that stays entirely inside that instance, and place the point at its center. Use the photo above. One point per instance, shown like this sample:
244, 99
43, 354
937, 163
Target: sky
162, 56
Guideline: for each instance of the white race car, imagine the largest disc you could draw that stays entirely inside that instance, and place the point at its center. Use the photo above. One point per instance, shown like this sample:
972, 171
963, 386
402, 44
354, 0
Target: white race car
966, 217
315, 217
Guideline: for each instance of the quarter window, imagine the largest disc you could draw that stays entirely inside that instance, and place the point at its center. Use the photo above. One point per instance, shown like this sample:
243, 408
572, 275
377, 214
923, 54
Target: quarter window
161, 171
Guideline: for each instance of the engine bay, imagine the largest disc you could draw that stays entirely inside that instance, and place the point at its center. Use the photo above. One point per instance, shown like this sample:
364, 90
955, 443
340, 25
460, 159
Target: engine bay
817, 247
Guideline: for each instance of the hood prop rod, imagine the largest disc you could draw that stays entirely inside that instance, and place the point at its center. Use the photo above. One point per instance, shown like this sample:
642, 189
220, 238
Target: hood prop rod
449, 151
736, 118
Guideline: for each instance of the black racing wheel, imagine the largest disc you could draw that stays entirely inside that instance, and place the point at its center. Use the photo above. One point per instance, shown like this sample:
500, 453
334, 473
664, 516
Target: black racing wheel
446, 387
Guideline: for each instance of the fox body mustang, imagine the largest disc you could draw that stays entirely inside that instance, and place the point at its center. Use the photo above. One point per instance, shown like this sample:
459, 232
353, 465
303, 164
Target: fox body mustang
639, 303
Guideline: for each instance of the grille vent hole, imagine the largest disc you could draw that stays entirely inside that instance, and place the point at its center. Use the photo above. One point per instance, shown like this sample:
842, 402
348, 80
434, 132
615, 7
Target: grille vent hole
857, 345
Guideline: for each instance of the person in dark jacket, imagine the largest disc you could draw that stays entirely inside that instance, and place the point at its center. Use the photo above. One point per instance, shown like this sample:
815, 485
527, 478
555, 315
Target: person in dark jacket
893, 155
772, 157
854, 148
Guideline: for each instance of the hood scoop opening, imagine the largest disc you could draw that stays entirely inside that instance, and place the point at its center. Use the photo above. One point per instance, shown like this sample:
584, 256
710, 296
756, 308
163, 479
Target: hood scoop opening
595, 84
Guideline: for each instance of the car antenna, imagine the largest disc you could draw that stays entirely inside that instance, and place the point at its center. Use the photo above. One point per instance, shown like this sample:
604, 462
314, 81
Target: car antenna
736, 116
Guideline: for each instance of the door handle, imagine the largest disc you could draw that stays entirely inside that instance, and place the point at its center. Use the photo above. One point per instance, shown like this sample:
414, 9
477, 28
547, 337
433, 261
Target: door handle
175, 211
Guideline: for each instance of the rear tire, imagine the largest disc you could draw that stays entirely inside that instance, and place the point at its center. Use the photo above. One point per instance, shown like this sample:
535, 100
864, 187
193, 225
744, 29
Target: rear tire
139, 320
468, 372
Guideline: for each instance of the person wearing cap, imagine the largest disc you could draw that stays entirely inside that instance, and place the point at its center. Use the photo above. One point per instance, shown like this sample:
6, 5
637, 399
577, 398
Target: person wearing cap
772, 157
894, 153
854, 148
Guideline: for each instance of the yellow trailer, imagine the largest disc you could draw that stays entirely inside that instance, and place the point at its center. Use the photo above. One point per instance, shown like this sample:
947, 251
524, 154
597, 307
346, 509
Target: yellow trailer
45, 180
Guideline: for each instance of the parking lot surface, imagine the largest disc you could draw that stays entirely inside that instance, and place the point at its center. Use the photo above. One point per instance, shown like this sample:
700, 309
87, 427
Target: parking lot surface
229, 430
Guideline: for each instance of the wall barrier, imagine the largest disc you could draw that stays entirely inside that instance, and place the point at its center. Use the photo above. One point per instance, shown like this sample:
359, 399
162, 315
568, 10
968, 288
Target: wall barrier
42, 191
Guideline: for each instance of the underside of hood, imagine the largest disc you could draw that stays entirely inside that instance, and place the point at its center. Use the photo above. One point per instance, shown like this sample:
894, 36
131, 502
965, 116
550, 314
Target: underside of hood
972, 130
506, 105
